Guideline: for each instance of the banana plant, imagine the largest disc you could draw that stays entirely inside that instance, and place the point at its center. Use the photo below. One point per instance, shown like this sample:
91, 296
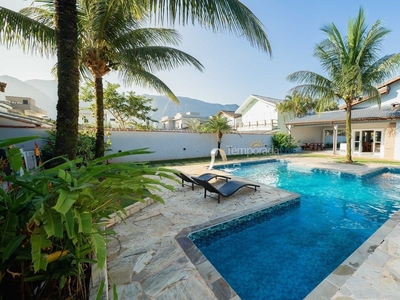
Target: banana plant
52, 220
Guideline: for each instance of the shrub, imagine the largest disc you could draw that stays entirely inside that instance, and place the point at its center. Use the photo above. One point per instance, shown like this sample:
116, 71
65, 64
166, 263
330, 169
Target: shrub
85, 148
52, 221
284, 142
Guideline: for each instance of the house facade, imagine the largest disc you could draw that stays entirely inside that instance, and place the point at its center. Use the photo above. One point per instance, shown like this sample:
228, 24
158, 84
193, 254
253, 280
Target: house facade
25, 106
231, 116
259, 114
181, 120
375, 129
20, 112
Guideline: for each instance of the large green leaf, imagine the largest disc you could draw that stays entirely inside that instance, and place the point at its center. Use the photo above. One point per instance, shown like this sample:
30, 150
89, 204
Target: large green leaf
15, 159
68, 220
84, 221
65, 200
100, 291
18, 140
8, 229
12, 246
52, 223
39, 241
99, 245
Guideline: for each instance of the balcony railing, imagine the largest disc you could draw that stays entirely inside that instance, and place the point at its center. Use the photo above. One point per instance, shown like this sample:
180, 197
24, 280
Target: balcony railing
260, 124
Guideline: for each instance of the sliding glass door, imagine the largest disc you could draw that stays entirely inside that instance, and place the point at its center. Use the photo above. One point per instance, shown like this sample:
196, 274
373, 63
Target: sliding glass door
367, 141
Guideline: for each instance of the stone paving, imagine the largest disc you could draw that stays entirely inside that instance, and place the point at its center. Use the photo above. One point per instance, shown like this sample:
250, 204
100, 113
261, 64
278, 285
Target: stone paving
149, 257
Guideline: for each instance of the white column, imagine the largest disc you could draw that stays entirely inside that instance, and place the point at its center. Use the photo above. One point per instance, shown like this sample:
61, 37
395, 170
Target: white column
397, 142
334, 141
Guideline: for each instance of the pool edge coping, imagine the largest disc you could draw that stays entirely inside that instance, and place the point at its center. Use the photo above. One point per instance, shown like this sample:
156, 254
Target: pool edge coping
214, 280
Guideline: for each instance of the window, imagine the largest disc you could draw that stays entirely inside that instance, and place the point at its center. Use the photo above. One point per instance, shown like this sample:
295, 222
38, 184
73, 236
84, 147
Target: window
24, 101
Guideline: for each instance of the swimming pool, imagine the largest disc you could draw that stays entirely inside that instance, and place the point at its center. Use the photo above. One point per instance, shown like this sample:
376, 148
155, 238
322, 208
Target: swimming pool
298, 245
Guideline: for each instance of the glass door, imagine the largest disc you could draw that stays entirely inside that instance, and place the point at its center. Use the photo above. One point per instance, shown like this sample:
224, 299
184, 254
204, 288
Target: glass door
357, 135
377, 140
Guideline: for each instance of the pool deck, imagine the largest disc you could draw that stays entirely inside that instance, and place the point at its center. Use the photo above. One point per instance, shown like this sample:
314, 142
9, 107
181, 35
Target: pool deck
150, 256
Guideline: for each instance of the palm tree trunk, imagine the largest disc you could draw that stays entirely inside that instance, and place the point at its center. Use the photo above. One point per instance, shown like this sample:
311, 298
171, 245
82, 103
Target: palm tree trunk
348, 133
68, 78
98, 86
219, 139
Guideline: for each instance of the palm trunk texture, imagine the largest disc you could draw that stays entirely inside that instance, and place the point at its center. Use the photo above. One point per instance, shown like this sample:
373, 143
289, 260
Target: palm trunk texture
68, 78
348, 133
99, 149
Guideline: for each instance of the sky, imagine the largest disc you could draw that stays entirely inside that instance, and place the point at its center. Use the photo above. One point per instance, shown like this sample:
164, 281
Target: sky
233, 68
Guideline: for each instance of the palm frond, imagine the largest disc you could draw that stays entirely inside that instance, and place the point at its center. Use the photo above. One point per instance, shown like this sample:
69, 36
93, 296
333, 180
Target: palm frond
32, 36
222, 15
141, 37
141, 77
157, 58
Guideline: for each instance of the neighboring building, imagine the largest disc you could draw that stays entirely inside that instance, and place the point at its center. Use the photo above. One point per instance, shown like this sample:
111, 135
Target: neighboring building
375, 130
180, 120
231, 116
86, 117
25, 106
259, 114
167, 122
20, 112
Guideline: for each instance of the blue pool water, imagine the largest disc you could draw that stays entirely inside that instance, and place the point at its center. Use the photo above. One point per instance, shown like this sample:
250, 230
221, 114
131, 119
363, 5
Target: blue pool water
286, 253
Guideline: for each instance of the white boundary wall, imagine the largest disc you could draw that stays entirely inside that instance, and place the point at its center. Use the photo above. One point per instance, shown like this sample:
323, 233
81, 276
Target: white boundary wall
166, 145
179, 145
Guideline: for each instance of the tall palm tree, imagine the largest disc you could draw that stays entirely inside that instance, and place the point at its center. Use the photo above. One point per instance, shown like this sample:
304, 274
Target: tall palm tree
217, 124
111, 39
66, 33
353, 67
218, 15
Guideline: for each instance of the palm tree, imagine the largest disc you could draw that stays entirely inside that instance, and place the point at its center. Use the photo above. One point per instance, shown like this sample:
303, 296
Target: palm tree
66, 33
219, 125
218, 15
352, 65
296, 103
112, 39
193, 125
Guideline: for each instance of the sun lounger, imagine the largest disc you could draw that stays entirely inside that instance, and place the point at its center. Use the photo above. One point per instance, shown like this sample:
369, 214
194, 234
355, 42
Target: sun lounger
205, 177
226, 190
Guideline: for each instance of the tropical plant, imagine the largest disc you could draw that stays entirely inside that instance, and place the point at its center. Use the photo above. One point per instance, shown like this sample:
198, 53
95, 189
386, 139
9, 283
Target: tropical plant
128, 109
353, 67
85, 148
52, 221
284, 142
217, 124
193, 125
295, 104
16, 29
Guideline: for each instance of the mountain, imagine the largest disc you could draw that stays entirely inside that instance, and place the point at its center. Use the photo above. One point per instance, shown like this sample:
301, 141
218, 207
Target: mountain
44, 92
167, 108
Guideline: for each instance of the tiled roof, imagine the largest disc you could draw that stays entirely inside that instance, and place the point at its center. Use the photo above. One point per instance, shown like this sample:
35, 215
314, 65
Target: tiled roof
230, 113
267, 99
387, 112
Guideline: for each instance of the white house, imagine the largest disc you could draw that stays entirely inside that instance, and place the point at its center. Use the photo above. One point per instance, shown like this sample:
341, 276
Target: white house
375, 129
259, 114
25, 106
231, 116
180, 120
20, 112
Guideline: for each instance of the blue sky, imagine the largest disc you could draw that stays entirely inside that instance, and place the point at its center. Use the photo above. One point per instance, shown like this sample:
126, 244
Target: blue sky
233, 68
